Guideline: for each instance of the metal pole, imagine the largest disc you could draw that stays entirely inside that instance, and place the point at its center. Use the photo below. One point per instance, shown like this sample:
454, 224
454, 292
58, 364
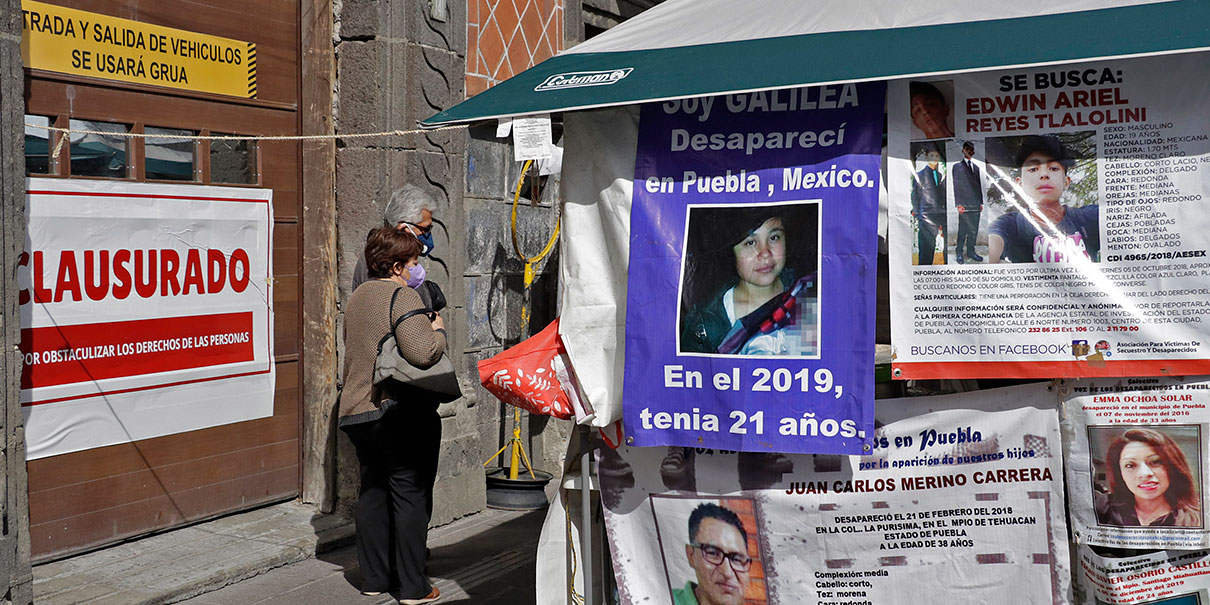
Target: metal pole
586, 517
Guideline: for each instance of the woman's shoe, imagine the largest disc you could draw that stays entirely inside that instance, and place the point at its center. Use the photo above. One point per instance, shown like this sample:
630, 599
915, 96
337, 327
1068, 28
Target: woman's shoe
433, 595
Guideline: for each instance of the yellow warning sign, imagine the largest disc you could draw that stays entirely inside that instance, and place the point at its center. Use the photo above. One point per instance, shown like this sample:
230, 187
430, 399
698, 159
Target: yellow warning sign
81, 43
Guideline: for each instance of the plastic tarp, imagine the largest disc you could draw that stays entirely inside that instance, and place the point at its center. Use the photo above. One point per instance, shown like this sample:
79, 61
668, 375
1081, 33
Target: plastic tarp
597, 187
688, 48
692, 22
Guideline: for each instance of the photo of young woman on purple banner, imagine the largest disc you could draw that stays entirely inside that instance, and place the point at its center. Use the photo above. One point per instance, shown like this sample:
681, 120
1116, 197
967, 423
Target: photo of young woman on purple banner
749, 282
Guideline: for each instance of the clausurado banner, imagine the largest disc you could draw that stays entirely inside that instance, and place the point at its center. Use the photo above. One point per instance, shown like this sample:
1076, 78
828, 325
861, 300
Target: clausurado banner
1136, 461
146, 310
1051, 221
750, 297
963, 492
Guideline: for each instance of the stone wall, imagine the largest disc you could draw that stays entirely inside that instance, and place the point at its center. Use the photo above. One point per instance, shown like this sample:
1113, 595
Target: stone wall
600, 15
398, 62
395, 65
494, 286
16, 580
503, 39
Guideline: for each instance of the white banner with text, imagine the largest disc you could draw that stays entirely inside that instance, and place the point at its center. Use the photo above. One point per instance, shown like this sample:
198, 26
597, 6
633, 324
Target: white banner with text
1136, 451
963, 492
1049, 222
146, 310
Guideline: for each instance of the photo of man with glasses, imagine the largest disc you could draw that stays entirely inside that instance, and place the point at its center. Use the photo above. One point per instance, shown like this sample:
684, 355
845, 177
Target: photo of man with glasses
718, 552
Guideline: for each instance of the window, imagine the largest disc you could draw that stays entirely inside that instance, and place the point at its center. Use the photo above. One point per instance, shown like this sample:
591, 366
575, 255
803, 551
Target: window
233, 162
172, 158
37, 145
98, 151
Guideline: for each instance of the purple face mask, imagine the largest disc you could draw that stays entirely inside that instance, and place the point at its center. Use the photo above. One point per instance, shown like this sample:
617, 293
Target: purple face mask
416, 276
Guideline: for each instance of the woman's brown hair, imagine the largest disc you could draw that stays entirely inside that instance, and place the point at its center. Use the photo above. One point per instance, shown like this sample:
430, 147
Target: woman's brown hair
386, 246
1181, 490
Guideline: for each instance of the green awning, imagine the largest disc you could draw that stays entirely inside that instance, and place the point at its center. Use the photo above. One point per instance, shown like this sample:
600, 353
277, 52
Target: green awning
582, 80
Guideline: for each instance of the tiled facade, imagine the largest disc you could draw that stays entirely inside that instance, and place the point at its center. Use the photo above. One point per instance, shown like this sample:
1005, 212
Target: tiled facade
506, 37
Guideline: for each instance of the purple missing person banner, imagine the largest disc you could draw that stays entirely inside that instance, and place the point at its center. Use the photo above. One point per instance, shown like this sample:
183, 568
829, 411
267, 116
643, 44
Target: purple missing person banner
753, 242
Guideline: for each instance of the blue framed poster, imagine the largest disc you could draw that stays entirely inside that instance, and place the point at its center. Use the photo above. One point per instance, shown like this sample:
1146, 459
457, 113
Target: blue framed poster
751, 283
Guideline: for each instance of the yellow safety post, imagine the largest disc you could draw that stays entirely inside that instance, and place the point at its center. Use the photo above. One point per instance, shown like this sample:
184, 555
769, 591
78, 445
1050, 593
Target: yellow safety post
518, 451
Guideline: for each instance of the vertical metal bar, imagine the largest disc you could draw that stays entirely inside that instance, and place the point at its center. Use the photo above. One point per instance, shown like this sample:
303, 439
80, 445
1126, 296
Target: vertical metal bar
586, 516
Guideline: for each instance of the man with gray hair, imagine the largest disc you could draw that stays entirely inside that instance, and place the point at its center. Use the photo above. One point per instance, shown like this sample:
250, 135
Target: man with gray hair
410, 208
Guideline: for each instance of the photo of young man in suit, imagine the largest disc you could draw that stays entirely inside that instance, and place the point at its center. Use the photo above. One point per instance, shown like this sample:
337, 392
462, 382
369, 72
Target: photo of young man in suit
928, 201
968, 198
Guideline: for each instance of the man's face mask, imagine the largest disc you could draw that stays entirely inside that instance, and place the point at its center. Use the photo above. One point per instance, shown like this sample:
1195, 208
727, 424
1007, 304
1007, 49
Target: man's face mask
425, 238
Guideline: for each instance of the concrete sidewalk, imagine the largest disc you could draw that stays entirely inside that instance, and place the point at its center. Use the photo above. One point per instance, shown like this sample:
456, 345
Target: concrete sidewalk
290, 553
485, 559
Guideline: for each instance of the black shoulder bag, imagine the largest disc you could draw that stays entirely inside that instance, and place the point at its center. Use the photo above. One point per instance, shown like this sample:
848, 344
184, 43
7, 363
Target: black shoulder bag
437, 381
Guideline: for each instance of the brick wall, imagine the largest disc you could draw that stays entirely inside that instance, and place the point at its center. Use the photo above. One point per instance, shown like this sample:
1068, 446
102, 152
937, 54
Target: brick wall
506, 37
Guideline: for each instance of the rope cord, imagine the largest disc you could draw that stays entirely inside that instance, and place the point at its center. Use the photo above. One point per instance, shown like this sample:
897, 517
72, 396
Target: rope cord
247, 137
233, 137
576, 597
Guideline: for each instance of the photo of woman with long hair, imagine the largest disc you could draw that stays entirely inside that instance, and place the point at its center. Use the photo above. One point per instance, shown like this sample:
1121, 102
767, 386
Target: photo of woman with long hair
1150, 483
749, 283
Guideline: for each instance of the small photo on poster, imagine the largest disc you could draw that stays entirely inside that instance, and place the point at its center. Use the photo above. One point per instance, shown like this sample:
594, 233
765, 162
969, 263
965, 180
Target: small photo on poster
750, 280
1147, 476
930, 204
968, 185
932, 110
1042, 198
711, 549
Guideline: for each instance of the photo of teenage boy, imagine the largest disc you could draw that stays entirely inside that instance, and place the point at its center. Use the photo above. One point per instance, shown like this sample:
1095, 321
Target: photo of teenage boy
930, 110
928, 201
968, 198
1043, 229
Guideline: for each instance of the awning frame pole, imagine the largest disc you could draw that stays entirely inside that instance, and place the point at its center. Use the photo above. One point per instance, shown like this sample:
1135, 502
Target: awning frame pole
586, 514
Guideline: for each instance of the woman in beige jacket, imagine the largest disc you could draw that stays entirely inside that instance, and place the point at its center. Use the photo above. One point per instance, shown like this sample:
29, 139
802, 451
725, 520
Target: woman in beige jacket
396, 431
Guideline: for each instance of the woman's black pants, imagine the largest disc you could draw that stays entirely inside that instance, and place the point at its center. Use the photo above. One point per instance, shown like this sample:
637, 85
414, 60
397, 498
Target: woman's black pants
398, 458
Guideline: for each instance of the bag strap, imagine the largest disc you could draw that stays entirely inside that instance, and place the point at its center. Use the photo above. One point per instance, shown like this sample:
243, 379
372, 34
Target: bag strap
390, 312
394, 295
395, 324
